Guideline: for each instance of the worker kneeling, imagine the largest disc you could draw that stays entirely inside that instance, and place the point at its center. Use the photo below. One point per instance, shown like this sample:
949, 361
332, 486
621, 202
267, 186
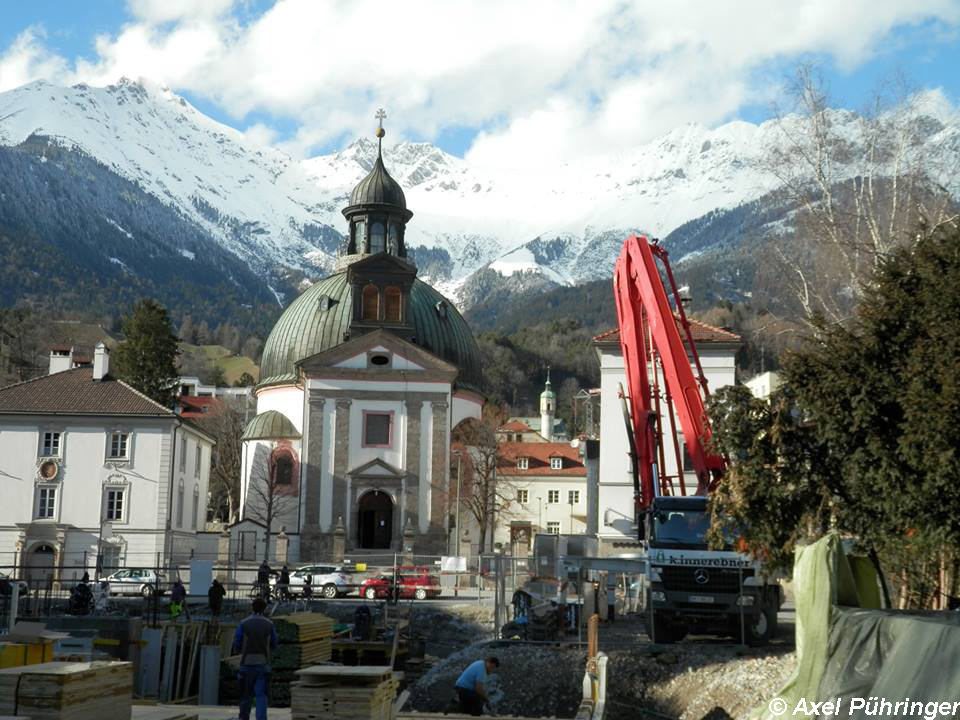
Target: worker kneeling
471, 687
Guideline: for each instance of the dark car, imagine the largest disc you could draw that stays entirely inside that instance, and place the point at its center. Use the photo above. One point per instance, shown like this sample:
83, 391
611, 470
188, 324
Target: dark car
417, 583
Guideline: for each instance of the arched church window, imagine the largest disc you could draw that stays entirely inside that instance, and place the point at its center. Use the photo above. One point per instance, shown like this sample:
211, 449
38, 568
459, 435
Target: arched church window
371, 303
359, 229
393, 304
393, 238
377, 237
283, 470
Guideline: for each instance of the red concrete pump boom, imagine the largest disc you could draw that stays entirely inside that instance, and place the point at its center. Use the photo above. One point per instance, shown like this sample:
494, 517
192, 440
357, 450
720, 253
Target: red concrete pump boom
650, 341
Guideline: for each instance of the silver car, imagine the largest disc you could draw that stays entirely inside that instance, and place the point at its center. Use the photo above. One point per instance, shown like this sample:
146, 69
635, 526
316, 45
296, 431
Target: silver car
134, 581
329, 581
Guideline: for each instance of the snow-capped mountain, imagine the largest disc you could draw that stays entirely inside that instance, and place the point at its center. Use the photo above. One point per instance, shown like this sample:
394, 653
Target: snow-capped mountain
565, 222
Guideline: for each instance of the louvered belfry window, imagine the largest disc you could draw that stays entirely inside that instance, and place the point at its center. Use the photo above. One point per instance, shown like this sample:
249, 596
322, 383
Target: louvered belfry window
371, 303
393, 304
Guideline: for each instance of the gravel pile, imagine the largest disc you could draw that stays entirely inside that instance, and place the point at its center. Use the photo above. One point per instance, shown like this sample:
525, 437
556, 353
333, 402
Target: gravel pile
690, 682
536, 680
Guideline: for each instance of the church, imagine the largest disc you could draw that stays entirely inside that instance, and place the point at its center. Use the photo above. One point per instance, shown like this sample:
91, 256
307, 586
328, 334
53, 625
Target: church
362, 380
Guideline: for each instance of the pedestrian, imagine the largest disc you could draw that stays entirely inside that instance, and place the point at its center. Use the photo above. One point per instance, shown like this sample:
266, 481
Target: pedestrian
255, 639
215, 597
178, 600
471, 687
263, 580
307, 586
611, 596
283, 583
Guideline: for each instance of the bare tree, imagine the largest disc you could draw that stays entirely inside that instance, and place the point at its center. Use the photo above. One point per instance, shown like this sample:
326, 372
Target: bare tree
483, 494
856, 194
271, 491
226, 422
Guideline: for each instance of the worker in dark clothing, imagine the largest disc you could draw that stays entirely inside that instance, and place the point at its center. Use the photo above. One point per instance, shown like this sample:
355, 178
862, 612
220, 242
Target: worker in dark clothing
178, 600
215, 596
307, 586
283, 583
255, 639
263, 580
471, 686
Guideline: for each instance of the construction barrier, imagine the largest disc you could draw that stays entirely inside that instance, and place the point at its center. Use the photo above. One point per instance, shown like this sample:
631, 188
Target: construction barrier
857, 656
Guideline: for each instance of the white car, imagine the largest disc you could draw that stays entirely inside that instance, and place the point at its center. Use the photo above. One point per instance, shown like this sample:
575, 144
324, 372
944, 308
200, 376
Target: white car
134, 581
329, 581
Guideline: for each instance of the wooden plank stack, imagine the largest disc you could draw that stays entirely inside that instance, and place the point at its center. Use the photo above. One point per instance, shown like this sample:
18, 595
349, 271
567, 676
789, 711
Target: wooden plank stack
68, 691
336, 692
304, 640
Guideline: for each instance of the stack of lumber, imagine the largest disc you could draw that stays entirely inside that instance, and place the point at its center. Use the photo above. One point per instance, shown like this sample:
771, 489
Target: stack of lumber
332, 692
304, 641
68, 691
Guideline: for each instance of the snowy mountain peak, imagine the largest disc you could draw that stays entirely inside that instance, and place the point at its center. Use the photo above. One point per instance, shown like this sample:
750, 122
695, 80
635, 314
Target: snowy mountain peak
275, 212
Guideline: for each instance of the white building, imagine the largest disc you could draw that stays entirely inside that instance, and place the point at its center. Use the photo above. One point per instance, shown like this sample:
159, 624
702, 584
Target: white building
616, 529
362, 379
87, 462
762, 385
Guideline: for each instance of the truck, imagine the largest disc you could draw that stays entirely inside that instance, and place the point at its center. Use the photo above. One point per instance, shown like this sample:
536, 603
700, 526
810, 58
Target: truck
690, 587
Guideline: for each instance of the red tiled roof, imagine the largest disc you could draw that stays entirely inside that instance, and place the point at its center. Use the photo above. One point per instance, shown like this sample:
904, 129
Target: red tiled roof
75, 392
60, 347
538, 459
515, 426
700, 330
197, 405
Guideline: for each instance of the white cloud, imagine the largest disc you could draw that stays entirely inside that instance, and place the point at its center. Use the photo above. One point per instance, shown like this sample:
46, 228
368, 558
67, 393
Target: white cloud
27, 59
540, 80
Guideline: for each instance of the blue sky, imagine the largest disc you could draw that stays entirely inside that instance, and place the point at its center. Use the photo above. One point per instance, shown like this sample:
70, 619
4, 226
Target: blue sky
487, 80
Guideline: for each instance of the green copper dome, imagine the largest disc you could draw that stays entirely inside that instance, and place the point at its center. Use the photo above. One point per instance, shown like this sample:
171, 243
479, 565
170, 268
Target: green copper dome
319, 318
270, 425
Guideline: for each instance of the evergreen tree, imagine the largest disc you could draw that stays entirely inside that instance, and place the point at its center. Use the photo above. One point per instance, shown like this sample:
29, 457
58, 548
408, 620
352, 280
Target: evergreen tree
863, 435
147, 358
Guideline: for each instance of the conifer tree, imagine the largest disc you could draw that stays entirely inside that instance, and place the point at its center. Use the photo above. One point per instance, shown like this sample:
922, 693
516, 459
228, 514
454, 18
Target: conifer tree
147, 358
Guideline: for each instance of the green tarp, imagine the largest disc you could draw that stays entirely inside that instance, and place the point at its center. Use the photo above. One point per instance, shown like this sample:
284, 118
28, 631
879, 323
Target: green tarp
848, 648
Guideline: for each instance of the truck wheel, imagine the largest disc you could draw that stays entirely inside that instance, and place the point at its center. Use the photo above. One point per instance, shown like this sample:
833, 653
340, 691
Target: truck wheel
760, 629
663, 630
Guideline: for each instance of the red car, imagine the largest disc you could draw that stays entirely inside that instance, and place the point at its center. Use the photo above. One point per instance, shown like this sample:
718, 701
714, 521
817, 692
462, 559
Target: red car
414, 582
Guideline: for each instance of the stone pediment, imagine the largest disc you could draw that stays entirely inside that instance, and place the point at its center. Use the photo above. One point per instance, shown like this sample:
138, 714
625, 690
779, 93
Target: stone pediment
361, 358
377, 468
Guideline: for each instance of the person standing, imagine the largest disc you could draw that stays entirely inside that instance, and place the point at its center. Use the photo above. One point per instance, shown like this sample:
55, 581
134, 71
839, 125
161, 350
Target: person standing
263, 580
255, 639
471, 687
283, 583
215, 596
178, 600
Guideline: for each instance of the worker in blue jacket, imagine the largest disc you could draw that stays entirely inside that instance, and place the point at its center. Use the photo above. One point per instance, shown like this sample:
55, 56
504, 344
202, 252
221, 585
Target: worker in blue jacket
255, 640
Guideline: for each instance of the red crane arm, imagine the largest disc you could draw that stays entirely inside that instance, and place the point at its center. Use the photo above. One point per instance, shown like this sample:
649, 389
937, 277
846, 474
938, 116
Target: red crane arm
640, 296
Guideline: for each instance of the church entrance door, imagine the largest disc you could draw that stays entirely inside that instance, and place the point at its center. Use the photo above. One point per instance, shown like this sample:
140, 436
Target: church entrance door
375, 520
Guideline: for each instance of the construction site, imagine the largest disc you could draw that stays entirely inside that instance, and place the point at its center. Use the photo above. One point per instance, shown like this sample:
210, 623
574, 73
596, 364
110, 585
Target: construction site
683, 628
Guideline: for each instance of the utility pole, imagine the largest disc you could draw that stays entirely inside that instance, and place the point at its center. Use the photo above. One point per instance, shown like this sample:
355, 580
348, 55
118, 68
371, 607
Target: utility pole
456, 582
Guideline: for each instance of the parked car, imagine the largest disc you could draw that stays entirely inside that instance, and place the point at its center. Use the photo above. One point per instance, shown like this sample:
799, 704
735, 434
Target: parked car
135, 581
21, 584
329, 581
414, 582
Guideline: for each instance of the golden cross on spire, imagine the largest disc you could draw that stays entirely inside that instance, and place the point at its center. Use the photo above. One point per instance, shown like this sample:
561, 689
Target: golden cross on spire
380, 131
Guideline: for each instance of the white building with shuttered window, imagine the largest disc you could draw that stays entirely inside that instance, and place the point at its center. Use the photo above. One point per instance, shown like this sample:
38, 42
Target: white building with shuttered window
87, 463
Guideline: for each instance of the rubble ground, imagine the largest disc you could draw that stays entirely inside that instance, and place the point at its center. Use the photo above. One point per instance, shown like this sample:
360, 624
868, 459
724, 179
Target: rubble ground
691, 680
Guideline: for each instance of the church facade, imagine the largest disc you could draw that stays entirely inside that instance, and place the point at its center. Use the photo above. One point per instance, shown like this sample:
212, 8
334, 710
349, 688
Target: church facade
362, 380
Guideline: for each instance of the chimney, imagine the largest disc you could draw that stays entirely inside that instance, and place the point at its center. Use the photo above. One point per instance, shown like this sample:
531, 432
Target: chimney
61, 358
101, 361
